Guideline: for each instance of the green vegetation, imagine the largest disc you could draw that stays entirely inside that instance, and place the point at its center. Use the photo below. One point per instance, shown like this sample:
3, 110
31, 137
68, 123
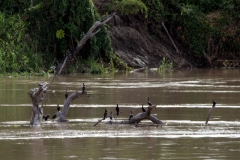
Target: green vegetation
17, 51
128, 7
36, 34
166, 65
204, 26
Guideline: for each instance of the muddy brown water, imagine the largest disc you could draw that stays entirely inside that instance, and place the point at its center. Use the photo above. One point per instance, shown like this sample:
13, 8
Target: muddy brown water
183, 99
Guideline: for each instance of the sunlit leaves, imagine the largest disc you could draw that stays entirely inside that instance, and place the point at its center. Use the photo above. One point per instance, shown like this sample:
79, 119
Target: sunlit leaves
130, 7
60, 34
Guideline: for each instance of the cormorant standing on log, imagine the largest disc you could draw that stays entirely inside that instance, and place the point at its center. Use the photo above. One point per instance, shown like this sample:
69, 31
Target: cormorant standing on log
131, 115
143, 109
111, 116
46, 117
214, 104
105, 114
117, 110
149, 103
55, 115
210, 111
66, 95
58, 107
83, 88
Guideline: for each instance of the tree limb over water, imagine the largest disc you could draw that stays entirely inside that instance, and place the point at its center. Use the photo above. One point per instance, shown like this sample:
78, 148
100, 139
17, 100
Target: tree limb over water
91, 32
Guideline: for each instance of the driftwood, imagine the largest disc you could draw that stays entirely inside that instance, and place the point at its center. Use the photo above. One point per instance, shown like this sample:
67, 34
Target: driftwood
91, 32
61, 115
137, 118
209, 113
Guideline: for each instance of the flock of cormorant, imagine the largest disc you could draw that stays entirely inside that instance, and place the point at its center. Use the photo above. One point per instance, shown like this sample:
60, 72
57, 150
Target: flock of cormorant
117, 111
45, 117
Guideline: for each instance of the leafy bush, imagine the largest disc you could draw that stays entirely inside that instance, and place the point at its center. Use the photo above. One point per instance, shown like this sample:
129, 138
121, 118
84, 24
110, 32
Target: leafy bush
129, 7
16, 49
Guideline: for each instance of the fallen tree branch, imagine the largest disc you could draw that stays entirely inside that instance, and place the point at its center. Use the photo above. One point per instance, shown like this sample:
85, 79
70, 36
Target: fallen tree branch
137, 118
170, 37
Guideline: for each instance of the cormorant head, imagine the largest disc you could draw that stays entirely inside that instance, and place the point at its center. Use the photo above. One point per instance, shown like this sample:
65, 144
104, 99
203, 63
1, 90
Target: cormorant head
214, 103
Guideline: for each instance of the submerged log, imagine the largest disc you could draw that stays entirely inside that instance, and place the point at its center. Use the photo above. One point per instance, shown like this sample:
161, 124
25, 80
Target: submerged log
137, 118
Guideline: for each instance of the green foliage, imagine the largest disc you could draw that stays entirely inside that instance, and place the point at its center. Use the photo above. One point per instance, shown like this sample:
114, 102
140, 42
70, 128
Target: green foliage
156, 14
16, 49
166, 65
129, 7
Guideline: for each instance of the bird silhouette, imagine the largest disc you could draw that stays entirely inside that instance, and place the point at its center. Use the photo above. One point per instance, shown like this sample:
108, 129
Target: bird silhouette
214, 104
58, 107
83, 88
105, 114
66, 95
131, 115
46, 117
111, 116
143, 109
117, 110
55, 115
149, 103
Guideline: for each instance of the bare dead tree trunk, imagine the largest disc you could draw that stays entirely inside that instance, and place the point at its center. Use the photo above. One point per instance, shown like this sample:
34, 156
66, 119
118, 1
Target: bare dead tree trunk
67, 102
37, 95
91, 32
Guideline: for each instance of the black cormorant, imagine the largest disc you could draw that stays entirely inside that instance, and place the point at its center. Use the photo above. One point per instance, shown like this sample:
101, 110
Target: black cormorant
111, 116
214, 103
105, 114
55, 115
66, 95
143, 109
83, 88
149, 103
46, 117
131, 115
117, 110
58, 108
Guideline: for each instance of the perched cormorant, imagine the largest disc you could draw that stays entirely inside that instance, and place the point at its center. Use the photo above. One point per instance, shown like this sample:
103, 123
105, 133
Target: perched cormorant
66, 95
214, 103
149, 103
83, 88
105, 114
117, 110
55, 115
143, 109
131, 115
58, 108
111, 116
46, 117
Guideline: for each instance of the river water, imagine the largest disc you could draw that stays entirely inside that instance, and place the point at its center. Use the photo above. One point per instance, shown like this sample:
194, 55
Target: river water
183, 99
